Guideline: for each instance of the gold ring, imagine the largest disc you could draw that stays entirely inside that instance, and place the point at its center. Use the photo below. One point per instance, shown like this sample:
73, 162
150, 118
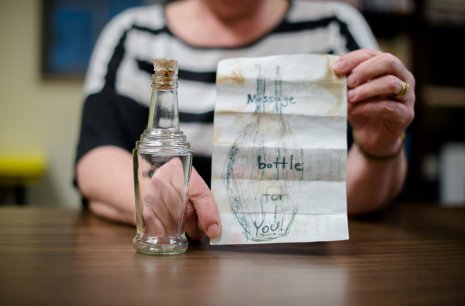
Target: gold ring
404, 90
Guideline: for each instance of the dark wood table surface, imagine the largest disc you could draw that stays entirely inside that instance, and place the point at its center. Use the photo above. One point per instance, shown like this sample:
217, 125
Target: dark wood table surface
407, 255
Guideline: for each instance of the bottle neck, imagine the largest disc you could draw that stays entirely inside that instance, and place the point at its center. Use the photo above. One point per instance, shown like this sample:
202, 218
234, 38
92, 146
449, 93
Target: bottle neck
163, 112
163, 135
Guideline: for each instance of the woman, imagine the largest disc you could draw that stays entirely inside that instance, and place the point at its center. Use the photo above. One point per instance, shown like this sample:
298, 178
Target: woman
199, 33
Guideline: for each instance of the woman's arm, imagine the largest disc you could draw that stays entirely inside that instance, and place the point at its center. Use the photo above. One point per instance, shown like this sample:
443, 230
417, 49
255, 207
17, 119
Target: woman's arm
105, 178
372, 184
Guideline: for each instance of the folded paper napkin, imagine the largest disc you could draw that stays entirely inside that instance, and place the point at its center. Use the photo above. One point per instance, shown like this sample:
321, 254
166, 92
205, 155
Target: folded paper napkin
280, 150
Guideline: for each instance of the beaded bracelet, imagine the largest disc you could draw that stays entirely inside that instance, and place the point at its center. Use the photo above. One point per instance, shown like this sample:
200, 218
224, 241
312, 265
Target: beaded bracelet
381, 158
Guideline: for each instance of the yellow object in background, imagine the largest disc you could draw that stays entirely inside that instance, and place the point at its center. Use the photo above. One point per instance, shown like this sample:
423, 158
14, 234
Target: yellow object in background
20, 169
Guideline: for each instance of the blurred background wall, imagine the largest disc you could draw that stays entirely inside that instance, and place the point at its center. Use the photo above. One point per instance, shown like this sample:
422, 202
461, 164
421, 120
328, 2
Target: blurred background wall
40, 113
36, 114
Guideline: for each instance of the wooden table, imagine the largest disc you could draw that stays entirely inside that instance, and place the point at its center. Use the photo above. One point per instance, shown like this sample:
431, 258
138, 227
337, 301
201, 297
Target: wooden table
408, 255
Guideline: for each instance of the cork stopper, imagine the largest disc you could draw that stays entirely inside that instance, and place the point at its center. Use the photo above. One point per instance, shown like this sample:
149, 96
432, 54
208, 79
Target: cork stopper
165, 65
165, 73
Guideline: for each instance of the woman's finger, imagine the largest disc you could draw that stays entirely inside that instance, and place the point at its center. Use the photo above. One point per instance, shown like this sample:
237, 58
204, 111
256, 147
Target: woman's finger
388, 86
345, 64
205, 207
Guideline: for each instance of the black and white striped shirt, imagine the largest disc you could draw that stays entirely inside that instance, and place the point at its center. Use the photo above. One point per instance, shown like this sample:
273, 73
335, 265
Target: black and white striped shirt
117, 87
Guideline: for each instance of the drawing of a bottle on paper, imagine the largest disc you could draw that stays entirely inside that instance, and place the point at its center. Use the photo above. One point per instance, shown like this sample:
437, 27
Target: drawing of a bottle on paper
264, 164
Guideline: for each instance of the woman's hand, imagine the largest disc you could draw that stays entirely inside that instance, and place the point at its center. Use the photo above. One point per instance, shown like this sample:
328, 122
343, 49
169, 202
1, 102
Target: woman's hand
160, 190
379, 109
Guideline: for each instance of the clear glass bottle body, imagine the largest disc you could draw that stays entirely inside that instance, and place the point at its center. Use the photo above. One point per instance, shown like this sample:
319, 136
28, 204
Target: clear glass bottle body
162, 166
160, 182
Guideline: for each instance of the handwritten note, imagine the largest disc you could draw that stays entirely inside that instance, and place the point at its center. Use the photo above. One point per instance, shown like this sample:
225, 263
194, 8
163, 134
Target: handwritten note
280, 150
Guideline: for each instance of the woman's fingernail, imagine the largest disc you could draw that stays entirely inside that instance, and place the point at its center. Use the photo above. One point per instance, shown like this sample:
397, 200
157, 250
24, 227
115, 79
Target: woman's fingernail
351, 81
213, 230
351, 95
339, 65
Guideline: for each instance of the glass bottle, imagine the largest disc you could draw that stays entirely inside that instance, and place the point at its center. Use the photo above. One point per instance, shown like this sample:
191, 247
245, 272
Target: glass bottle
162, 166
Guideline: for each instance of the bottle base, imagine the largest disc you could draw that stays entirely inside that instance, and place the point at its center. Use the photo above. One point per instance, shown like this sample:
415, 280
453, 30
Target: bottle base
161, 245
